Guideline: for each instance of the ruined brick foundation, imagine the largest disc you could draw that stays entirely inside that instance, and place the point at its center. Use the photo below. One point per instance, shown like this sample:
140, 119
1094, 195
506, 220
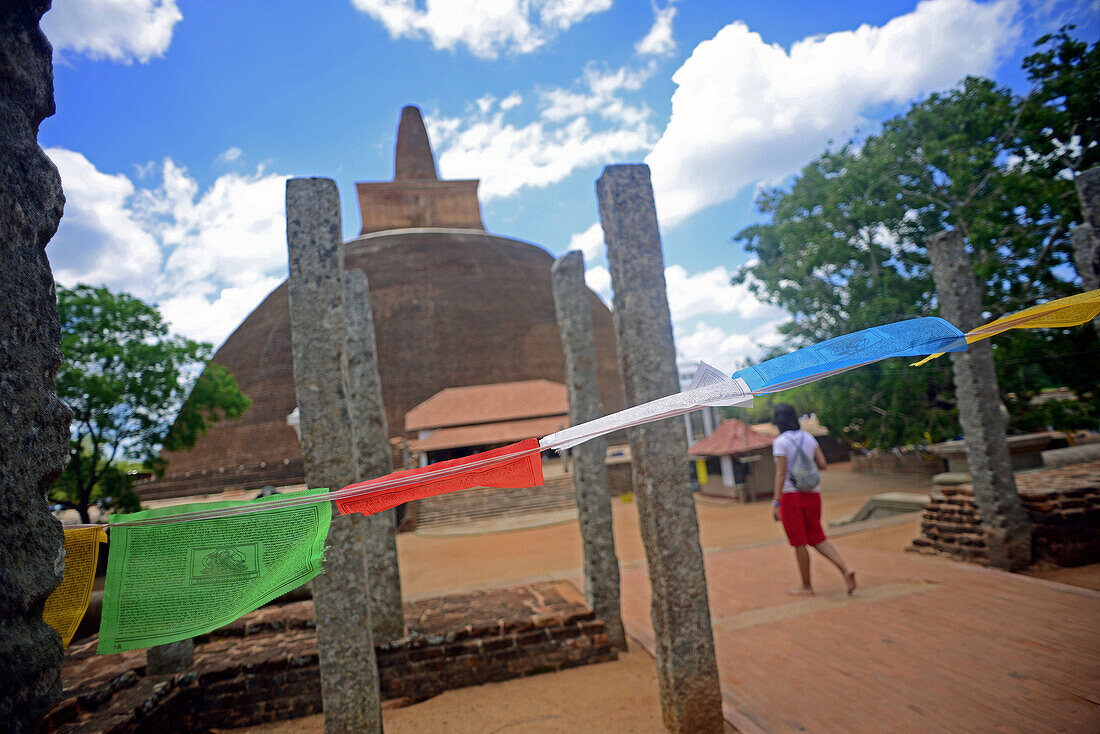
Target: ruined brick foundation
1063, 505
263, 667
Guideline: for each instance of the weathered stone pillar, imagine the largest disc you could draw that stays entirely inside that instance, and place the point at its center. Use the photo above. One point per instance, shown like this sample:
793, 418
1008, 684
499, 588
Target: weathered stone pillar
686, 668
1004, 521
341, 594
601, 565
175, 657
1088, 191
372, 437
34, 423
1086, 236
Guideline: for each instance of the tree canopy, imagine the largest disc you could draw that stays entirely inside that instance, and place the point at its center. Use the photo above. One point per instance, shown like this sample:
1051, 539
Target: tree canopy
844, 249
134, 390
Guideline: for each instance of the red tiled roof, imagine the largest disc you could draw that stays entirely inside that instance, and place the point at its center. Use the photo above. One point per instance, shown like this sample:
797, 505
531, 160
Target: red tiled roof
502, 401
488, 434
730, 437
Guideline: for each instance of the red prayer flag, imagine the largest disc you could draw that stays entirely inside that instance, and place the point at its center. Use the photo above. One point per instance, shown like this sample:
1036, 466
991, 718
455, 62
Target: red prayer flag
521, 471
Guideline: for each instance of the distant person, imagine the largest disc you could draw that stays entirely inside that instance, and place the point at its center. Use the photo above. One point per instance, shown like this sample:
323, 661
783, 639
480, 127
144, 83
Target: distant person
797, 503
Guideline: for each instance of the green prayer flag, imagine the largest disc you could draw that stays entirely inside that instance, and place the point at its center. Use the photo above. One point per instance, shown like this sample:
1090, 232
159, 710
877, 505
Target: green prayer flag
170, 581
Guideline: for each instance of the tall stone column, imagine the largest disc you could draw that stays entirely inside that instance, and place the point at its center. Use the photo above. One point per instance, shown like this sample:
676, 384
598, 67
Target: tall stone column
34, 423
1086, 236
341, 594
372, 438
686, 668
1004, 521
601, 565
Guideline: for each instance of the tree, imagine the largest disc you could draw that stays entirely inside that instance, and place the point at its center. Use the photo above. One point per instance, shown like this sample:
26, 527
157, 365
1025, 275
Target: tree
125, 378
1062, 117
845, 246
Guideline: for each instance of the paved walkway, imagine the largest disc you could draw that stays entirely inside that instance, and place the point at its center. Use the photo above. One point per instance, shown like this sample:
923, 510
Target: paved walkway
925, 645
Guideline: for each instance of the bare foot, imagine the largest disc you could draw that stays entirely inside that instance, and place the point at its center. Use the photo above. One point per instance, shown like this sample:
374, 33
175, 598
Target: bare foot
804, 591
850, 580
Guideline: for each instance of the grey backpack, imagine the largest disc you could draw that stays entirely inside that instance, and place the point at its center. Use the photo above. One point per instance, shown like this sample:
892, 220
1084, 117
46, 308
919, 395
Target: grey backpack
803, 470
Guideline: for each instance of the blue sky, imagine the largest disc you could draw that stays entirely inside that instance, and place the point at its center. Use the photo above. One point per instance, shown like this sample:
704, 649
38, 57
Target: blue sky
177, 123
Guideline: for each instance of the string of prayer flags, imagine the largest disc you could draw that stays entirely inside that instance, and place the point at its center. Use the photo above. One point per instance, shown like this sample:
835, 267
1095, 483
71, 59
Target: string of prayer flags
515, 465
169, 581
65, 607
710, 388
1058, 314
843, 353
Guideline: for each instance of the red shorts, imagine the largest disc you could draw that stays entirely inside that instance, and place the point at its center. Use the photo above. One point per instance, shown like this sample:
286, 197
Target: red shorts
801, 514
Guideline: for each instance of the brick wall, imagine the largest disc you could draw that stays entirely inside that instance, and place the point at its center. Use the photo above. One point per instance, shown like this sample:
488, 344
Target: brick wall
1063, 505
264, 666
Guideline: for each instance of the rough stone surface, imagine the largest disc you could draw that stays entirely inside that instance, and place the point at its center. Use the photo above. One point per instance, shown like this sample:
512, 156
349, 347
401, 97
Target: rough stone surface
1006, 527
34, 423
175, 657
686, 668
370, 433
349, 674
1088, 191
1086, 236
601, 564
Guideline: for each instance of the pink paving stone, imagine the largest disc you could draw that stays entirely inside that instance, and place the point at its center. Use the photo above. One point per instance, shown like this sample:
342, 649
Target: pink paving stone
925, 645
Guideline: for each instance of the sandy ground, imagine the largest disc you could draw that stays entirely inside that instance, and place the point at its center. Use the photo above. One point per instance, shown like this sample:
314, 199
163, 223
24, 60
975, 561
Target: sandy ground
555, 551
609, 697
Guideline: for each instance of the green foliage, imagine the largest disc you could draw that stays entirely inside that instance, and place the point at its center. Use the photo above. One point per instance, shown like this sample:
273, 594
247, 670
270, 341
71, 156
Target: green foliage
1065, 102
844, 249
125, 378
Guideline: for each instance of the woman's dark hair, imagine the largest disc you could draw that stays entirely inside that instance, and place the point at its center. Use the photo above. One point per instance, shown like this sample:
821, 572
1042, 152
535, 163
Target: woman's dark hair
785, 418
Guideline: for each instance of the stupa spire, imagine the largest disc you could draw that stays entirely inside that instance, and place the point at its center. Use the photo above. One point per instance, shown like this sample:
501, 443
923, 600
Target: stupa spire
413, 158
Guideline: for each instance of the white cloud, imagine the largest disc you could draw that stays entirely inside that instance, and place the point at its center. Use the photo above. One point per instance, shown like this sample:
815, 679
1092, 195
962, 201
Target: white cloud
211, 320
230, 155
659, 41
206, 257
747, 112
599, 280
101, 240
726, 351
589, 242
710, 292
119, 30
485, 28
512, 100
574, 128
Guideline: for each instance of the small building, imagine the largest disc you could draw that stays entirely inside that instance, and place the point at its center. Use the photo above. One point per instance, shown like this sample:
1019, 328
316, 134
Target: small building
460, 421
741, 456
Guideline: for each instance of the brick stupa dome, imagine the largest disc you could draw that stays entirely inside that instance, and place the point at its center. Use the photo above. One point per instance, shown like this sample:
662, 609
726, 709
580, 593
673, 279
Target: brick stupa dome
453, 306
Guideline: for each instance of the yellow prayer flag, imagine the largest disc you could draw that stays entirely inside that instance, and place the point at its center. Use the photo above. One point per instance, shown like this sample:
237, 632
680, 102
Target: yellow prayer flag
65, 607
1058, 314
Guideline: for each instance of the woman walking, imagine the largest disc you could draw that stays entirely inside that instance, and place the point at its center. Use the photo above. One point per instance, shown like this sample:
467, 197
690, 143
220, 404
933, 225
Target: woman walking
797, 502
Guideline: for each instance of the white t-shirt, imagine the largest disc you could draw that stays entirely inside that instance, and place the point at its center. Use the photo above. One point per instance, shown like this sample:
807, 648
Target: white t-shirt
787, 444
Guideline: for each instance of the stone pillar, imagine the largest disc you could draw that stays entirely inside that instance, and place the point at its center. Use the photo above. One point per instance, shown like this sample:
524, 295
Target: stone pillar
1004, 521
341, 594
34, 423
1088, 191
686, 669
1086, 236
372, 438
728, 477
708, 421
601, 565
175, 657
